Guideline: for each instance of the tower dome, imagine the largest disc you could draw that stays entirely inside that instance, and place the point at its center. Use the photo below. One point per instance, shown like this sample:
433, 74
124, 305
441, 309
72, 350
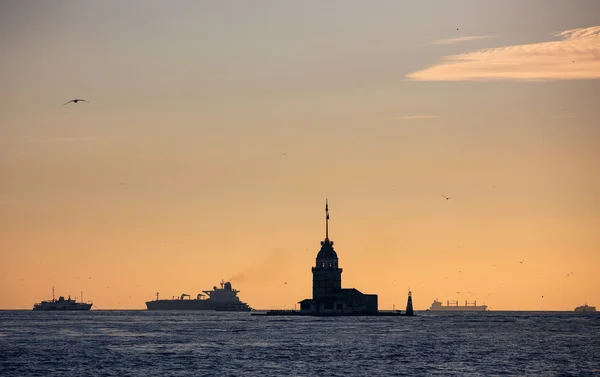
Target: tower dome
327, 251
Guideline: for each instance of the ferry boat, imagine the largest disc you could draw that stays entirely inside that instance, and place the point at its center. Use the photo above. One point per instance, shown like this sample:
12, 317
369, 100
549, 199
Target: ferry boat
62, 304
223, 299
452, 306
585, 308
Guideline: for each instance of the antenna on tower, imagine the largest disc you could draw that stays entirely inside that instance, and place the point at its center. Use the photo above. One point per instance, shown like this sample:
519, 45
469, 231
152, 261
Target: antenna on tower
326, 219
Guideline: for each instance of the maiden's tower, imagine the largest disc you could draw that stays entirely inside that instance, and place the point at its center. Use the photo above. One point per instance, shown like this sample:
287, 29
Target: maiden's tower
329, 298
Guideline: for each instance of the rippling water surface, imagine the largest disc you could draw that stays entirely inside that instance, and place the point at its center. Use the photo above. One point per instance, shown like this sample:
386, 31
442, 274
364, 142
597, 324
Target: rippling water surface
142, 343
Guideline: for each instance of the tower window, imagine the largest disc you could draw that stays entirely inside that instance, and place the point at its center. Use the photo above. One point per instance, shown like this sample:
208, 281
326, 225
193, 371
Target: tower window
323, 264
330, 265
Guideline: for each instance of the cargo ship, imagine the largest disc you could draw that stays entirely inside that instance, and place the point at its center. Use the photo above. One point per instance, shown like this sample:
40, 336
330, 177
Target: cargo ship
222, 299
452, 306
585, 308
62, 304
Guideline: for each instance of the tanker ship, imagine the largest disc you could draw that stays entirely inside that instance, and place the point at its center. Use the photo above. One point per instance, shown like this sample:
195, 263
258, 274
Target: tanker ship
452, 306
219, 299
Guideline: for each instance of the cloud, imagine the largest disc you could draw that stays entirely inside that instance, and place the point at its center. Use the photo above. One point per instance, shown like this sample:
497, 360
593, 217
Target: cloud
461, 39
575, 57
411, 117
62, 140
75, 139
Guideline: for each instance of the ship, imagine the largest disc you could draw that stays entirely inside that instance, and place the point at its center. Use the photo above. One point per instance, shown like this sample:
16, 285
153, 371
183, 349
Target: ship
222, 299
585, 308
62, 304
452, 306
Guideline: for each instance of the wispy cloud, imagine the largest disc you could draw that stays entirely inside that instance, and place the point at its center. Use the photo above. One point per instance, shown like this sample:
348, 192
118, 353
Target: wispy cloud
74, 139
412, 117
575, 57
462, 39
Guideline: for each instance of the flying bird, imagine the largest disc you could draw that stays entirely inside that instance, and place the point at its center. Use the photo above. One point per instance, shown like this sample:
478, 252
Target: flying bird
447, 197
75, 101
522, 261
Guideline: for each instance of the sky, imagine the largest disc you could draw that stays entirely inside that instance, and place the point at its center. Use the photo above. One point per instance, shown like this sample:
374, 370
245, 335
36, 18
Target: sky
215, 131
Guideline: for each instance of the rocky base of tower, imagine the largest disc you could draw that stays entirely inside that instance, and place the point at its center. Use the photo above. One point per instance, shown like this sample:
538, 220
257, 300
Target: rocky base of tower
351, 314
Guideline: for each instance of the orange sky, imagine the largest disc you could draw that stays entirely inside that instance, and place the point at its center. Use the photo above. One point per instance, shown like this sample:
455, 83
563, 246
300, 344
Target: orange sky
216, 131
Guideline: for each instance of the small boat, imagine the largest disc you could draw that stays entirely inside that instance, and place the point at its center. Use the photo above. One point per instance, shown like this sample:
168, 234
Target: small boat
585, 308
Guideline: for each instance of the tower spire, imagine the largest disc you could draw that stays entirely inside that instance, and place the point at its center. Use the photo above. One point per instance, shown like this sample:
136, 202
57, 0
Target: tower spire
326, 219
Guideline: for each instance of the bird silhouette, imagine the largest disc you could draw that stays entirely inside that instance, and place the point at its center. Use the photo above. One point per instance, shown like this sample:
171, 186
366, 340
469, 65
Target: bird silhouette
522, 261
447, 197
75, 101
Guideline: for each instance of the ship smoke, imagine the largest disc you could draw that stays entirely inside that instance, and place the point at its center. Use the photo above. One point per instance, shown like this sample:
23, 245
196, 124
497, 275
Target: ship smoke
272, 267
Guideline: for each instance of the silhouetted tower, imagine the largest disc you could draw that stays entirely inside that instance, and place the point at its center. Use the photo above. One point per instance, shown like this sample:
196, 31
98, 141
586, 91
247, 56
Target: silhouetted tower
327, 277
409, 307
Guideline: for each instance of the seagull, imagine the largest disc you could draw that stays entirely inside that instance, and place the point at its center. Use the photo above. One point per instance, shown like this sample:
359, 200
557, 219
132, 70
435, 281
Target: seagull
447, 197
75, 101
285, 282
522, 261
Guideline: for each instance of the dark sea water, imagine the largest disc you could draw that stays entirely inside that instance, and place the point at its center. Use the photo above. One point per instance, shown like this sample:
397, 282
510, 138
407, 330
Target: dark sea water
142, 343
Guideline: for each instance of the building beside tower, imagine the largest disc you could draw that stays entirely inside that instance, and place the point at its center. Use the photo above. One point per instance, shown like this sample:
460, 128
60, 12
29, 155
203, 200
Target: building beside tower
328, 295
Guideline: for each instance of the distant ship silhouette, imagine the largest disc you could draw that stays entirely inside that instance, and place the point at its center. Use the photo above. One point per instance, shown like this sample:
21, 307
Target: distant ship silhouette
219, 299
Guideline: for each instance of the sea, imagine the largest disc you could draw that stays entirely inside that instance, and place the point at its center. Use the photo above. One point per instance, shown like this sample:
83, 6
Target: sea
150, 343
